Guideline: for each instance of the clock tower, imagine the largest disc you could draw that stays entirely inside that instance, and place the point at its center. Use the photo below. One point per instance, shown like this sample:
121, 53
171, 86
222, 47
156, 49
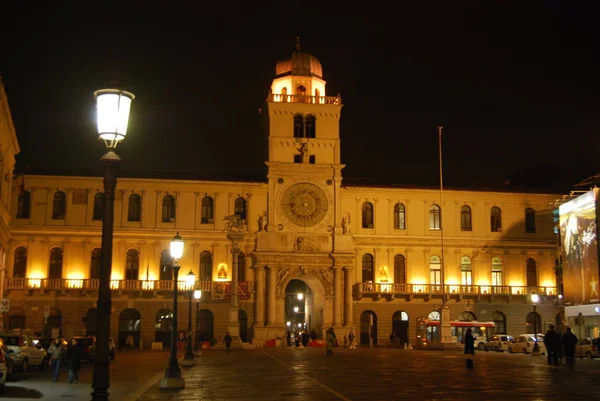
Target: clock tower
304, 171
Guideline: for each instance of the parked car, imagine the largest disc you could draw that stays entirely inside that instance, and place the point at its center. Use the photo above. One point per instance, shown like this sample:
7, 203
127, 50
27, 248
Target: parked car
480, 342
498, 342
6, 366
524, 343
588, 347
24, 351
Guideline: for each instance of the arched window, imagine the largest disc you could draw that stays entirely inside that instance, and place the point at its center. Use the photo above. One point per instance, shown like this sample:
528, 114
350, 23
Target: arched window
98, 213
466, 271
534, 323
298, 126
499, 322
239, 208
465, 218
399, 217
435, 270
496, 219
317, 95
134, 211
467, 316
284, 91
132, 265
95, 263
434, 217
399, 269
206, 266
367, 268
59, 206
434, 315
531, 266
241, 266
20, 262
24, 205
310, 126
367, 215
301, 90
168, 209
56, 263
207, 210
166, 265
529, 220
497, 278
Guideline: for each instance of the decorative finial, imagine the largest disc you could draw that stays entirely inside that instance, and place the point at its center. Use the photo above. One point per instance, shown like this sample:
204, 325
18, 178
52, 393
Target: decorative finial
298, 43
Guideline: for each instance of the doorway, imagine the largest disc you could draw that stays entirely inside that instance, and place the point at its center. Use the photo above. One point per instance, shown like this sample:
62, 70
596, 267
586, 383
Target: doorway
368, 328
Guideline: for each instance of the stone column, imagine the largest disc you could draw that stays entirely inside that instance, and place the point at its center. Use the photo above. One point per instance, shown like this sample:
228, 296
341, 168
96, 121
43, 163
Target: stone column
348, 296
338, 296
271, 274
234, 325
259, 302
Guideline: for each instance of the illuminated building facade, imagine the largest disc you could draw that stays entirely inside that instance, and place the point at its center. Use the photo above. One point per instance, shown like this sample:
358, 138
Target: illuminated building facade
363, 258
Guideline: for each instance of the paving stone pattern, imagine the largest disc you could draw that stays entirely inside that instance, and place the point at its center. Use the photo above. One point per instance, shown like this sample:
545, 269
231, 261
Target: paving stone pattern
378, 375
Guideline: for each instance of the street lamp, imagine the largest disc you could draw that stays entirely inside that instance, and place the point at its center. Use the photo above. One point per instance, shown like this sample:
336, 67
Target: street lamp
197, 296
173, 379
112, 106
188, 359
535, 298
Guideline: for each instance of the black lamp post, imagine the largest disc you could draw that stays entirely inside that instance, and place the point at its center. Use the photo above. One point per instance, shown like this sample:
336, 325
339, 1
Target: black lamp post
173, 379
113, 107
536, 348
197, 296
188, 359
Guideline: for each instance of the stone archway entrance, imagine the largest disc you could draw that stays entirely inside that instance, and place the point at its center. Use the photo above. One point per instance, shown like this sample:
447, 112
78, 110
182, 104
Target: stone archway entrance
304, 307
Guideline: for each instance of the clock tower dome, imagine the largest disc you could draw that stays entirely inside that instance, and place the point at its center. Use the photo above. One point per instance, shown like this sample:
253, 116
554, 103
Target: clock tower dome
302, 127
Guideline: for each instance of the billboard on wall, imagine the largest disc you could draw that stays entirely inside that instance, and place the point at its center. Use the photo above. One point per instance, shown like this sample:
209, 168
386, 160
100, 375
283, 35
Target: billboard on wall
580, 249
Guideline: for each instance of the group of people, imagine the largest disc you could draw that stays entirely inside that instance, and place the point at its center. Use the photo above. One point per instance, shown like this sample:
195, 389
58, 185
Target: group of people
72, 351
557, 344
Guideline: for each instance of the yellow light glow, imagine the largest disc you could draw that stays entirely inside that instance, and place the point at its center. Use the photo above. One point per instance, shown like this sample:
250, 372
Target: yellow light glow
383, 274
482, 282
453, 289
148, 285
74, 283
277, 88
386, 287
222, 270
114, 284
116, 276
36, 274
34, 283
418, 280
548, 283
452, 281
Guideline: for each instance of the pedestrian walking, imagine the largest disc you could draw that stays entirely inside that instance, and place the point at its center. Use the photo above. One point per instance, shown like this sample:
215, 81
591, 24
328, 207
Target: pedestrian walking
227, 340
74, 360
351, 340
56, 351
329, 340
469, 347
569, 341
553, 344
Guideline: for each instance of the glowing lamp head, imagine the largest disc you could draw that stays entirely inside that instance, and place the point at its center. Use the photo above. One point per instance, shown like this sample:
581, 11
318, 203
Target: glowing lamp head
535, 298
112, 106
288, 324
300, 296
176, 247
296, 309
190, 279
197, 295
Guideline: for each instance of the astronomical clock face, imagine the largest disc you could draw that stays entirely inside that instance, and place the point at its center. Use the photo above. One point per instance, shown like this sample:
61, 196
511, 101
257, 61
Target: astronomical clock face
304, 204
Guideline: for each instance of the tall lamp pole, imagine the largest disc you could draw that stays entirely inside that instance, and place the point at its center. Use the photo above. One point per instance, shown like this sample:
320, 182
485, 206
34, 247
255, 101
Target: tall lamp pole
197, 296
535, 299
113, 106
188, 359
173, 379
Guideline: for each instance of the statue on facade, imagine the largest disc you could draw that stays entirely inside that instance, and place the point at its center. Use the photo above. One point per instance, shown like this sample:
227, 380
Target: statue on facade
262, 221
304, 152
346, 224
235, 224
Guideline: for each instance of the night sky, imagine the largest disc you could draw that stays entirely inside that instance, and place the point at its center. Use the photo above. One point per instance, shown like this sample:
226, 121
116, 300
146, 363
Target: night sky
515, 85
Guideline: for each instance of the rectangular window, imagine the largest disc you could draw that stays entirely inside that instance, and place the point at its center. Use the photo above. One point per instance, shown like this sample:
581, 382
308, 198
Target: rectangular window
497, 278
